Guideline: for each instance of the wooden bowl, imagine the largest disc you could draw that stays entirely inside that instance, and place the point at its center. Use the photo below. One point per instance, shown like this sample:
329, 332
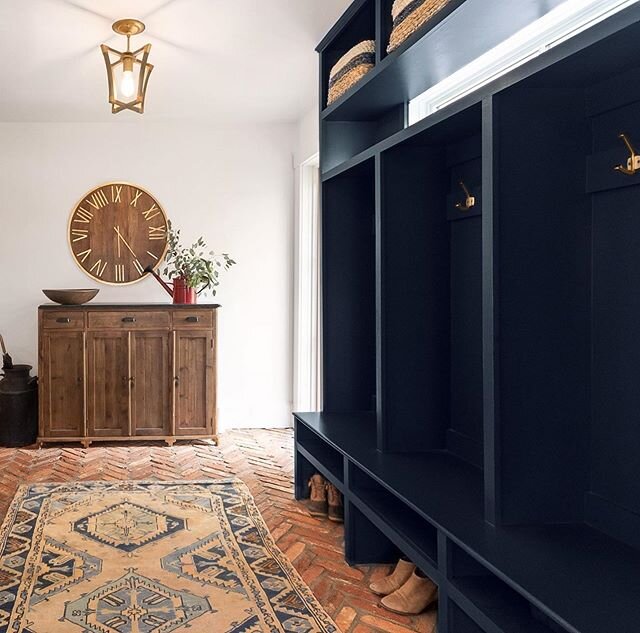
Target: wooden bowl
71, 297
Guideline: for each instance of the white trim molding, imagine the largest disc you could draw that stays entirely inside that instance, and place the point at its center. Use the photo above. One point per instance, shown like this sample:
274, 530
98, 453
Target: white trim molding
307, 388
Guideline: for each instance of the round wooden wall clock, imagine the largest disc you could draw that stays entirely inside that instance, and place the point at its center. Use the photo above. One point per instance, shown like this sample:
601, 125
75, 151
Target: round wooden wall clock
116, 231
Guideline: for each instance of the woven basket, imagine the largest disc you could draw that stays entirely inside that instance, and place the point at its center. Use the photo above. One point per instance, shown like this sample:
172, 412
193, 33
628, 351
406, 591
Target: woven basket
409, 15
351, 68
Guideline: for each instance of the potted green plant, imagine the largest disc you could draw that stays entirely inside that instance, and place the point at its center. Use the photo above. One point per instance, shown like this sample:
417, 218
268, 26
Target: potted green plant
193, 269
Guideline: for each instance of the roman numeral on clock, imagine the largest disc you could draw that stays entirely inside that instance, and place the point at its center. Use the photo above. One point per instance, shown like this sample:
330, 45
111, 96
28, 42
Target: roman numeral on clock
84, 255
136, 197
157, 232
98, 200
79, 234
138, 266
99, 268
84, 216
116, 192
151, 213
119, 272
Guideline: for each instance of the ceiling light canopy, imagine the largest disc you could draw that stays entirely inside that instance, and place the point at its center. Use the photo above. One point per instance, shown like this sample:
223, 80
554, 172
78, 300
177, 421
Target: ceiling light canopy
128, 72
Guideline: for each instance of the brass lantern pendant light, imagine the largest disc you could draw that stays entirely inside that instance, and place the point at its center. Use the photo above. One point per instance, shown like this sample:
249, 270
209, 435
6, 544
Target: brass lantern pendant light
128, 72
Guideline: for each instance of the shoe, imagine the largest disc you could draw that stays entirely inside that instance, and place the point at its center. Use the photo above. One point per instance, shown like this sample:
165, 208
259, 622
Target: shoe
318, 506
336, 508
395, 579
413, 597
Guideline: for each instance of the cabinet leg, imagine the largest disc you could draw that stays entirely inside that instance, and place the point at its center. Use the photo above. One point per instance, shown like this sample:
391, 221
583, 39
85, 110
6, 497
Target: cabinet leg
215, 440
170, 442
85, 443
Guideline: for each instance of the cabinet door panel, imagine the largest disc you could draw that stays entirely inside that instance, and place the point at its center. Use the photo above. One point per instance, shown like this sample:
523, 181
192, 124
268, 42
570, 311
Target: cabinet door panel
108, 384
151, 389
194, 391
62, 389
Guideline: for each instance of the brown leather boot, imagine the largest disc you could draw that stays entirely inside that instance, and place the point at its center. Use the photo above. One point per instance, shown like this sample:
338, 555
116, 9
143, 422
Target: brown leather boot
318, 498
395, 579
413, 597
336, 509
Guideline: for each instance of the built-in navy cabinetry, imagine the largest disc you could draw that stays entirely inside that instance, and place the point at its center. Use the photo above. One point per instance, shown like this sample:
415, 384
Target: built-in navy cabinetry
481, 293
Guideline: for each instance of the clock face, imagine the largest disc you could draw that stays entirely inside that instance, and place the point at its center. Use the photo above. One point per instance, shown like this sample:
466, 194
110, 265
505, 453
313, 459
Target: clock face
116, 231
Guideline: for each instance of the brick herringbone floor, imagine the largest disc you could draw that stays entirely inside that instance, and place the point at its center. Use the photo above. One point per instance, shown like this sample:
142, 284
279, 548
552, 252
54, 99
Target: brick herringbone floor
263, 459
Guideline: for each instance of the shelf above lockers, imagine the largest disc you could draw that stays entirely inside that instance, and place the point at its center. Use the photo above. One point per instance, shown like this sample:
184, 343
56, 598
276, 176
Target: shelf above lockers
455, 37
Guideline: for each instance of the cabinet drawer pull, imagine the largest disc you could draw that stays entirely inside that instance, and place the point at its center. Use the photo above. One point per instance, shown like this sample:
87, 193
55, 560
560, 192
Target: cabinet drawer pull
129, 320
63, 320
193, 319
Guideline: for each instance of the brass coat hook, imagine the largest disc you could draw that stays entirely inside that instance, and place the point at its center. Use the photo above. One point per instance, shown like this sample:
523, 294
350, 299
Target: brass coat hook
469, 202
633, 162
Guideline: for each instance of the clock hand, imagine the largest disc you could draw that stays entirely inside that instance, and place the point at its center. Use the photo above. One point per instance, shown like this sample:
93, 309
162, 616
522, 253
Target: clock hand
116, 229
136, 262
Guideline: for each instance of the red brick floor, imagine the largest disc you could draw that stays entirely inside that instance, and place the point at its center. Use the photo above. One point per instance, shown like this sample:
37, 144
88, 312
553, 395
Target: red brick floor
263, 459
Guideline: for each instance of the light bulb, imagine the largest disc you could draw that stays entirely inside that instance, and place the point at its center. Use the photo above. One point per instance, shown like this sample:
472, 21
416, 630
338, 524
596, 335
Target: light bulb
128, 84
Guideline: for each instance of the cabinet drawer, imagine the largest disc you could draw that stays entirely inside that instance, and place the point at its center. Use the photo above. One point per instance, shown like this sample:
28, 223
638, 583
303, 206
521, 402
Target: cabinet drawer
122, 320
63, 320
190, 319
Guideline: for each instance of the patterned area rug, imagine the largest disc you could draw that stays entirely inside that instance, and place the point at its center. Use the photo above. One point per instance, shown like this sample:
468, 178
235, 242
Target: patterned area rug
147, 557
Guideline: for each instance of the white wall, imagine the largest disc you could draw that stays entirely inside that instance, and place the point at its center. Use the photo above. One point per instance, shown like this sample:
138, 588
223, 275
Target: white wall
308, 136
234, 186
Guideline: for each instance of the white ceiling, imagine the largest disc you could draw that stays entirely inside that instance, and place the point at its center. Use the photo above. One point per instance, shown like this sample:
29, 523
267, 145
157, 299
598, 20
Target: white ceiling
219, 60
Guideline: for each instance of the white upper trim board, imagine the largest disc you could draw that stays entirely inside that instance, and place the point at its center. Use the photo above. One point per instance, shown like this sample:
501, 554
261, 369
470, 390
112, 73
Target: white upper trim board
561, 23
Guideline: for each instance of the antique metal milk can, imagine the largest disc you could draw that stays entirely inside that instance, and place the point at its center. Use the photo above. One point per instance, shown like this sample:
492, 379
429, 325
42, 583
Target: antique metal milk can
18, 403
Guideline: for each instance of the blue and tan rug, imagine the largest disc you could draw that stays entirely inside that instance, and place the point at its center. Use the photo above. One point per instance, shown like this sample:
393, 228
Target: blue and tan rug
147, 557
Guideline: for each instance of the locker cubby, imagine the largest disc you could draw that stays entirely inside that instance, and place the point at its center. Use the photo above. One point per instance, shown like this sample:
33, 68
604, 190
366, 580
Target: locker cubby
569, 246
349, 321
505, 609
431, 279
411, 533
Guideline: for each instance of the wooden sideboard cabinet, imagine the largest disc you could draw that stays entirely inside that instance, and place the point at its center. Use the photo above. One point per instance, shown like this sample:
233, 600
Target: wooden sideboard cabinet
127, 372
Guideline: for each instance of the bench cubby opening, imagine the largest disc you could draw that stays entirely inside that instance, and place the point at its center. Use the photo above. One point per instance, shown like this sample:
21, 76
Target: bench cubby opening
412, 533
505, 608
324, 458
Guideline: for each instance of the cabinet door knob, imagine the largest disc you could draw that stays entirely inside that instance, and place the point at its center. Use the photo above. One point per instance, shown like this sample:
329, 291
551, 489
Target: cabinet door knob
176, 380
129, 320
193, 319
63, 320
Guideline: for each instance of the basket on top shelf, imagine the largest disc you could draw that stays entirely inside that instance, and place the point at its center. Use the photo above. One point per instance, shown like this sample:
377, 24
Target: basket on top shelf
410, 15
351, 68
